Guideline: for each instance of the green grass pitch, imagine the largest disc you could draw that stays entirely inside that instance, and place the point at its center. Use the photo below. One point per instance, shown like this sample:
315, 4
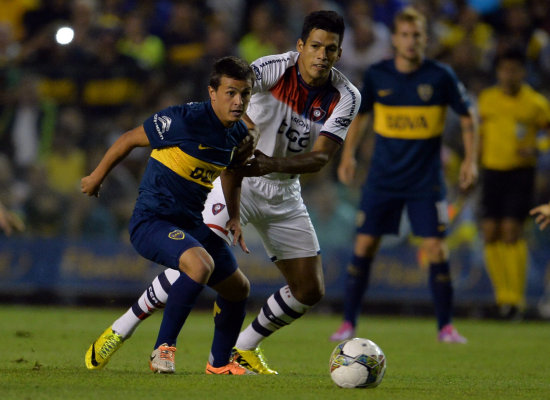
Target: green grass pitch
42, 357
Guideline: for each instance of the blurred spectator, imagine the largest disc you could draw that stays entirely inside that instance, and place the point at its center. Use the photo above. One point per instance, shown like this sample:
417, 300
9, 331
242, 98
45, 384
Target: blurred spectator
12, 15
518, 30
467, 43
9, 47
365, 42
136, 42
47, 14
257, 41
27, 125
183, 36
45, 210
65, 164
111, 80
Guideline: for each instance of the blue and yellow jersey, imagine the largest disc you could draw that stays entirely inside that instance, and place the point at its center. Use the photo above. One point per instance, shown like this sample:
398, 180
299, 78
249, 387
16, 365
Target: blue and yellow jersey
409, 117
191, 147
509, 124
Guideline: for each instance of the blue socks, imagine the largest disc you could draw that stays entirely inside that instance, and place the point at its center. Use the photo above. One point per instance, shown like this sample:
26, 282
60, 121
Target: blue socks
182, 298
228, 320
442, 292
357, 280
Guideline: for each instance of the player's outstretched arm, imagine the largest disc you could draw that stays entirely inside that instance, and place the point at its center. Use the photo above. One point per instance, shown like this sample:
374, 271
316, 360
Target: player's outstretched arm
323, 150
118, 151
542, 215
348, 163
469, 169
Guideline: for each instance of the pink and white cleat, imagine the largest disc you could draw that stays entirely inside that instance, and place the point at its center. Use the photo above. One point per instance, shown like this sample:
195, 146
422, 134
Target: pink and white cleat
449, 334
346, 331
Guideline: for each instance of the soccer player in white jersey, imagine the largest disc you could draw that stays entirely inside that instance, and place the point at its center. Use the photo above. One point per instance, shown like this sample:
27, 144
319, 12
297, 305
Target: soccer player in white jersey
302, 108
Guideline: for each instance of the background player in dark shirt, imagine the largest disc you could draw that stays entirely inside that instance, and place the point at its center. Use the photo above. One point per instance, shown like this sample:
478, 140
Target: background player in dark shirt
408, 97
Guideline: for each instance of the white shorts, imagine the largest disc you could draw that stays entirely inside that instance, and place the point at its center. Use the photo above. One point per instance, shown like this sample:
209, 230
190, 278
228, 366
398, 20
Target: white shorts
276, 209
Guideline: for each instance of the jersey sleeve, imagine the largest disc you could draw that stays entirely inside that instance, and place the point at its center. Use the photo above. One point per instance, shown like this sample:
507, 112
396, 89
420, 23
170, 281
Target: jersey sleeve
164, 128
458, 98
337, 125
269, 69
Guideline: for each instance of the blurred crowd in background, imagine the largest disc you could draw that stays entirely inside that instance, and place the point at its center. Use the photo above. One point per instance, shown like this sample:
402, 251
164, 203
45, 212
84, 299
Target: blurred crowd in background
63, 101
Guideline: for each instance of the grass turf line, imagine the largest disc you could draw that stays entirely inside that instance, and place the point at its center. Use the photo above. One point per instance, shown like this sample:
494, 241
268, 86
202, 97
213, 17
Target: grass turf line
42, 357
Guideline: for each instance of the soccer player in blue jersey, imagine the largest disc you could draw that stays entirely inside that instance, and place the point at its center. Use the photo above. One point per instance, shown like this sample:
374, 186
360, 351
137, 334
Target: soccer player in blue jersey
192, 144
408, 96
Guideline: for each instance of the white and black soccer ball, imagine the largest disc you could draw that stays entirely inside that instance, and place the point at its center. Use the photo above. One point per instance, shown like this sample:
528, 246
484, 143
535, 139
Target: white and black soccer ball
357, 363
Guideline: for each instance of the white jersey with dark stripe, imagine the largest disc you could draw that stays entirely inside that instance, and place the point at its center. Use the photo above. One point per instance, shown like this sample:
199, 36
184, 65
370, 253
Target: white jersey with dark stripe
291, 115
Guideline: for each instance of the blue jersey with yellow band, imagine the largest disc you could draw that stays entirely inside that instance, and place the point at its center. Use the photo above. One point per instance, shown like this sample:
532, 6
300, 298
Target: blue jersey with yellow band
409, 117
191, 147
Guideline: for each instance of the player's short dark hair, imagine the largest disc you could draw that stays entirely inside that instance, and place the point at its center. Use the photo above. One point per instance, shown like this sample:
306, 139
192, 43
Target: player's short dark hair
513, 53
326, 20
411, 15
232, 67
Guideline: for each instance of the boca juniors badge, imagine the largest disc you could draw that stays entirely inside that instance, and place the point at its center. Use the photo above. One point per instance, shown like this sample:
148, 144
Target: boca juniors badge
176, 235
425, 91
217, 208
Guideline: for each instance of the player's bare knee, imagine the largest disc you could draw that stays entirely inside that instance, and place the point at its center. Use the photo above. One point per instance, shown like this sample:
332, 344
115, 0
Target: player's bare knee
309, 294
197, 264
241, 289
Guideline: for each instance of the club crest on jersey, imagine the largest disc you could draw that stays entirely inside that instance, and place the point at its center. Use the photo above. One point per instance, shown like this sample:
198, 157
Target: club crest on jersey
217, 208
425, 91
176, 235
317, 113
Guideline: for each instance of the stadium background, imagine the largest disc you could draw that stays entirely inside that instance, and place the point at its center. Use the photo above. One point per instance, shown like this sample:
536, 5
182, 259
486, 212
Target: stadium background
61, 106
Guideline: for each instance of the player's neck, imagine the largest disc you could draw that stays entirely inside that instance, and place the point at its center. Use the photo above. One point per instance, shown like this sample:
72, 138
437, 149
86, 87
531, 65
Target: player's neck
407, 65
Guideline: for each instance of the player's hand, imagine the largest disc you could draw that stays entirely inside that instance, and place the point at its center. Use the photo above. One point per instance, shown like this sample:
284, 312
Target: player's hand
468, 175
346, 170
90, 185
542, 213
259, 165
10, 222
243, 152
234, 226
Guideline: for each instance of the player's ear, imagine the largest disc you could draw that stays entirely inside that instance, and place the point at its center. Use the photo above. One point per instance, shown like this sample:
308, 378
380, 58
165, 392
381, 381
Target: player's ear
212, 93
339, 53
300, 45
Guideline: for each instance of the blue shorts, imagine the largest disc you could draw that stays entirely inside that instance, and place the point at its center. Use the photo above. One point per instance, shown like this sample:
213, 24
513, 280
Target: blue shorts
380, 214
163, 243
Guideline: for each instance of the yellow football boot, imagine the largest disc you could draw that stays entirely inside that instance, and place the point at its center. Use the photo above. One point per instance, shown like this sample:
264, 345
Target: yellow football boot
252, 360
102, 349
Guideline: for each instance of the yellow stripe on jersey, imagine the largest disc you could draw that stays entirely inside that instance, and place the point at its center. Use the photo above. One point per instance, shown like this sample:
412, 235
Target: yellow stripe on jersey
188, 167
409, 122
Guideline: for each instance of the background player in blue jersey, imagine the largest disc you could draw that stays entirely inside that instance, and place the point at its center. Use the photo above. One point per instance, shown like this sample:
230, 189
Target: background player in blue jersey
408, 96
192, 145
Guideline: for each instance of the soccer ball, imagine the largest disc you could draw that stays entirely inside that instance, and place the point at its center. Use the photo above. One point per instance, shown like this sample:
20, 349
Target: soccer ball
357, 363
